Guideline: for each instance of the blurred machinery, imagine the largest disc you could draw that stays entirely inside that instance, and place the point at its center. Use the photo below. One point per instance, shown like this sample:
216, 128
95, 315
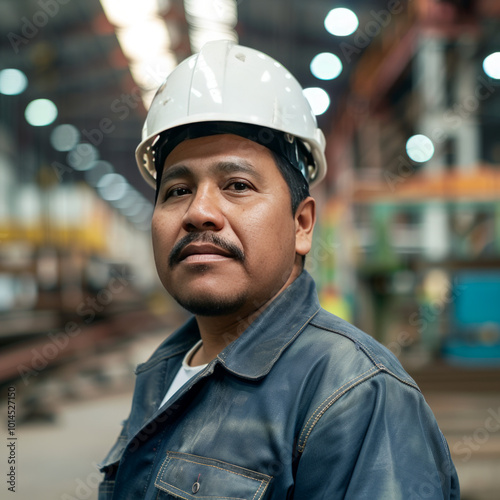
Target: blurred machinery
414, 195
408, 240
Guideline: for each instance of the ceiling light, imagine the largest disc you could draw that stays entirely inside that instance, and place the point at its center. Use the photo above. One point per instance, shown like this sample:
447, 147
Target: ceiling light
112, 187
200, 35
491, 65
12, 81
64, 137
127, 203
215, 11
326, 66
341, 22
97, 171
318, 99
83, 157
210, 20
150, 73
143, 215
420, 148
40, 112
144, 39
132, 209
126, 13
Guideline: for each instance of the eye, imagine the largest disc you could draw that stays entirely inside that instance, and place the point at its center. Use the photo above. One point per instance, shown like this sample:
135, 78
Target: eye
239, 186
176, 192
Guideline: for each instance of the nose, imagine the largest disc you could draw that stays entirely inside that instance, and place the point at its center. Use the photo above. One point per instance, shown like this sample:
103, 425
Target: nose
204, 211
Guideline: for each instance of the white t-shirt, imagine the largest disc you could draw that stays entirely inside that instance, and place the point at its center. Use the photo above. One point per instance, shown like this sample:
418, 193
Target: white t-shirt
185, 373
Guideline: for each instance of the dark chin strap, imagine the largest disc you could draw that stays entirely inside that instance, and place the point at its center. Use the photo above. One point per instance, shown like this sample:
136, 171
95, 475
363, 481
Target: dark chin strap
283, 144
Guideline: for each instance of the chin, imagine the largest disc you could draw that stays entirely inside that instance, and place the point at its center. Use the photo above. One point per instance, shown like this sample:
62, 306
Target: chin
211, 306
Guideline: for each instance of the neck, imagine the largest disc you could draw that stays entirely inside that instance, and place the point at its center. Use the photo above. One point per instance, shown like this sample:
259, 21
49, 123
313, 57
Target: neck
217, 332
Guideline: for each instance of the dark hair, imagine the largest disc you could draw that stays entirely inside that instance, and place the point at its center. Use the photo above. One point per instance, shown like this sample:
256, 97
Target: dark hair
297, 185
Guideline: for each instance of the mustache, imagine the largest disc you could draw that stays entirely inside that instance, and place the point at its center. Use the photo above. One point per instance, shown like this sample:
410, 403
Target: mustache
204, 237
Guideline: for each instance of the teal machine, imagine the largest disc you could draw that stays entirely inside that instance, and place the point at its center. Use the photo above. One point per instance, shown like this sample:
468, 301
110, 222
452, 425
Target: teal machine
474, 337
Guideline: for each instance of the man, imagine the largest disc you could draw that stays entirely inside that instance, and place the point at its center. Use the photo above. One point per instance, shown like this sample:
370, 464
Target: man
262, 394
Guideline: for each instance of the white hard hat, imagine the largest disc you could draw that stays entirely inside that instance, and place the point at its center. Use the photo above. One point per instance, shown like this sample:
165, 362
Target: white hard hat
226, 82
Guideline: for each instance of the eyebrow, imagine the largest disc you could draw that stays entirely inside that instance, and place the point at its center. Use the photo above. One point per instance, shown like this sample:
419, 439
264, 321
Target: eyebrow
227, 167
235, 166
175, 172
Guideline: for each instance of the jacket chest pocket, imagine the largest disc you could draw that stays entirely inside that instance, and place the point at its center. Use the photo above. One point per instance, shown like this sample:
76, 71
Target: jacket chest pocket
193, 477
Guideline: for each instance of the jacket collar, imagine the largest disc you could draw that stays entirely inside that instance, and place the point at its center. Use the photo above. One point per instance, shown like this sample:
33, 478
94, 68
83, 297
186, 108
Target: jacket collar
254, 352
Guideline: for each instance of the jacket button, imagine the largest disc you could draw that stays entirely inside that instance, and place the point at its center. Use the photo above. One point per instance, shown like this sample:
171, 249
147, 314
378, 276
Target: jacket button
196, 487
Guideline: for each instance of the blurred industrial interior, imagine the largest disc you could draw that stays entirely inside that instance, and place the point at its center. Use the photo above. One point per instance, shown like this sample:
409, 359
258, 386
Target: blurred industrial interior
407, 245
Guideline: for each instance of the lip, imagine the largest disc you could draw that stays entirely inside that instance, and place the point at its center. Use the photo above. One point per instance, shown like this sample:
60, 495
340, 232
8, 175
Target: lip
203, 252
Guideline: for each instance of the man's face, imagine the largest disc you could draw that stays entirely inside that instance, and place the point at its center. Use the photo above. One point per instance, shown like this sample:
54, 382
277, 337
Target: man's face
224, 235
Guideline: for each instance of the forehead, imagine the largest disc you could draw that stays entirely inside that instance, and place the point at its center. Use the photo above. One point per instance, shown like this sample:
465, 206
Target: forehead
221, 146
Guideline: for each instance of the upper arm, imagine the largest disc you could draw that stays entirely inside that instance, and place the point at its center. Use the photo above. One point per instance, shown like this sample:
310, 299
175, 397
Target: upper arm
379, 440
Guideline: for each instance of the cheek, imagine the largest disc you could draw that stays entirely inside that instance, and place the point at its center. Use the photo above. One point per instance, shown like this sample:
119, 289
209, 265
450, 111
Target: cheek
270, 239
161, 240
155, 233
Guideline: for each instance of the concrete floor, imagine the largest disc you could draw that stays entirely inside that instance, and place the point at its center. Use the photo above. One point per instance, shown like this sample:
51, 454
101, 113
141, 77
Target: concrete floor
471, 425
58, 461
90, 398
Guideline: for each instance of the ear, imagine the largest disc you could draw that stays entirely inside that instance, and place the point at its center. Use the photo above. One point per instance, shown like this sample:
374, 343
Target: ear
305, 218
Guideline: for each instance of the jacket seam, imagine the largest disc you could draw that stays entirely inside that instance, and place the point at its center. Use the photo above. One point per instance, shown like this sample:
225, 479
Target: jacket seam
370, 354
328, 402
365, 348
397, 377
176, 455
198, 462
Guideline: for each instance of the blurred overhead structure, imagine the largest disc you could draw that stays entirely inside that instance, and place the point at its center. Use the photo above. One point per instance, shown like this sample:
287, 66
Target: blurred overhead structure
407, 243
210, 20
148, 38
415, 210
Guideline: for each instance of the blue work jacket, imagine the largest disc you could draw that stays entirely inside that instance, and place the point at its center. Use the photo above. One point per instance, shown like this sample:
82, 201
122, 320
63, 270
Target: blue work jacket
301, 405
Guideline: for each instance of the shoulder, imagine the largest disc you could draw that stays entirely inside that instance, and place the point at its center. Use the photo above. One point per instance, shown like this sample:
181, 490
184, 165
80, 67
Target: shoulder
364, 413
331, 333
334, 358
358, 382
